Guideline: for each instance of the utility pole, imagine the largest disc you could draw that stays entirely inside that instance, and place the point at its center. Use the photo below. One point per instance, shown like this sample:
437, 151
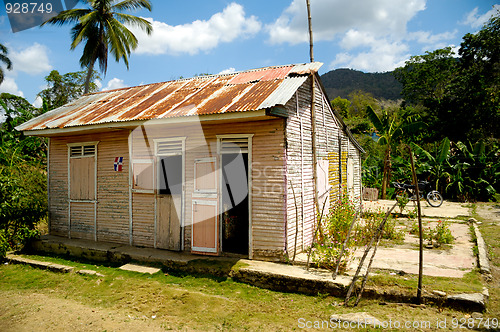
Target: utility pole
420, 232
311, 53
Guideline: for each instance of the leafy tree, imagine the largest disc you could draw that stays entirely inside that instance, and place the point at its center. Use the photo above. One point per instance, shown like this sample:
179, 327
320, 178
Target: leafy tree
64, 88
478, 83
5, 59
102, 28
341, 105
390, 129
360, 100
461, 94
23, 181
15, 147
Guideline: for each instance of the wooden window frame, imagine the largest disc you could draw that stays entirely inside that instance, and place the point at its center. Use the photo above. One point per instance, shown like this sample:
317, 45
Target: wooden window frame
150, 161
212, 193
82, 144
156, 142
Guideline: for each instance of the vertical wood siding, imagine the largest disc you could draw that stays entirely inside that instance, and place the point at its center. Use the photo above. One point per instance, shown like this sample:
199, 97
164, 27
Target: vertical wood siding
82, 220
328, 134
112, 190
268, 216
58, 186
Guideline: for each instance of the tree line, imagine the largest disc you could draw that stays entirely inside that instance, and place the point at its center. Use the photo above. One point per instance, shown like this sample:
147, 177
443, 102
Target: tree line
449, 115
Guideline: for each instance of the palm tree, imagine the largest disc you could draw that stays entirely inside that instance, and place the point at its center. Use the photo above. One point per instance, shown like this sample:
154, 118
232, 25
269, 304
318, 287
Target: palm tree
5, 60
390, 129
101, 27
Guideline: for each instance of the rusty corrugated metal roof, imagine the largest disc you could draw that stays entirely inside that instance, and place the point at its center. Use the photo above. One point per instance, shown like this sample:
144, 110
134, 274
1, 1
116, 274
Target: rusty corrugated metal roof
216, 94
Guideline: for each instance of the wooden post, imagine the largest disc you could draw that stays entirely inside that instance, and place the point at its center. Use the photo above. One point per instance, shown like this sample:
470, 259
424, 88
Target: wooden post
296, 222
311, 53
368, 247
420, 232
334, 275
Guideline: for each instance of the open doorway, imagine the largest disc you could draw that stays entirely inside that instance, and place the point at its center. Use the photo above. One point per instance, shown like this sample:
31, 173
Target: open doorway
235, 197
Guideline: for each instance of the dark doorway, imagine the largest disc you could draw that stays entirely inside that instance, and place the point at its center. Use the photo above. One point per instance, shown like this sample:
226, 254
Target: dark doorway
235, 208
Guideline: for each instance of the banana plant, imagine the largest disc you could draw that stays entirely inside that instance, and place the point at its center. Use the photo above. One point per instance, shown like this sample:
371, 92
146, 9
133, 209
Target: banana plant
391, 129
475, 171
434, 164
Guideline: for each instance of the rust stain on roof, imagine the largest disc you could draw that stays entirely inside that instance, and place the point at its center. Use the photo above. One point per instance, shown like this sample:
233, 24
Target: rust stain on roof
239, 92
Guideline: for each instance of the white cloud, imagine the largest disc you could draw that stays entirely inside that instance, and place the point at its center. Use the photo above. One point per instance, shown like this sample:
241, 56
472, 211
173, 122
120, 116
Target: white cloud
375, 54
372, 34
430, 41
115, 83
33, 60
333, 17
38, 102
191, 38
477, 21
98, 83
228, 71
9, 85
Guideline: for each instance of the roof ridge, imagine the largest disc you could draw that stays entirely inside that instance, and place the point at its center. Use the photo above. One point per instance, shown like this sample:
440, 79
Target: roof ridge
202, 77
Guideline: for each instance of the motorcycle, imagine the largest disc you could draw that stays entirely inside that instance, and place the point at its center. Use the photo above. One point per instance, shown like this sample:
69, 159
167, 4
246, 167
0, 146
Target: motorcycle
433, 197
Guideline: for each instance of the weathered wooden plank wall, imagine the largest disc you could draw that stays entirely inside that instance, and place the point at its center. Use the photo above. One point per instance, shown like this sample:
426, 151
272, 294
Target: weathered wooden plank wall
299, 162
112, 190
58, 184
82, 220
268, 217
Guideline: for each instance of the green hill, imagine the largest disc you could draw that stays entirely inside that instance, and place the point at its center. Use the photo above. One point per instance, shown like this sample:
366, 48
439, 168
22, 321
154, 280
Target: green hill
341, 82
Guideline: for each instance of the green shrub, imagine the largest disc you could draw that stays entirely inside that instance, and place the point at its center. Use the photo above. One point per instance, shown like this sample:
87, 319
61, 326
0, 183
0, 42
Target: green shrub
336, 225
372, 220
441, 234
402, 200
4, 244
23, 202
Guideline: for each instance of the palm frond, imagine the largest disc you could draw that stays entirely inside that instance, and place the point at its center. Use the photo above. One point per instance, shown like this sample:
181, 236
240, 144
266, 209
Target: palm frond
6, 60
67, 16
3, 49
420, 151
132, 5
135, 21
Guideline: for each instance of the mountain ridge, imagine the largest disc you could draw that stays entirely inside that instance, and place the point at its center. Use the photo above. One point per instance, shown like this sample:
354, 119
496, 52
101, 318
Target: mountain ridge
341, 82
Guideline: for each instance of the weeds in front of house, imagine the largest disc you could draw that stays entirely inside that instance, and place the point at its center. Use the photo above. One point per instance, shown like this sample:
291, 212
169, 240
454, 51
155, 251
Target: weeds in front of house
336, 224
325, 252
371, 223
402, 200
440, 234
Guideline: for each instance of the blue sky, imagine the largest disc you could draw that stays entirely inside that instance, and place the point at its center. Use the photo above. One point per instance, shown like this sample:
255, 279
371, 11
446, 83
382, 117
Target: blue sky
211, 36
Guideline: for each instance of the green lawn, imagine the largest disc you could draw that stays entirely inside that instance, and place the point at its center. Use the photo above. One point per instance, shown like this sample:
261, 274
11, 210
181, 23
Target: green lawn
177, 301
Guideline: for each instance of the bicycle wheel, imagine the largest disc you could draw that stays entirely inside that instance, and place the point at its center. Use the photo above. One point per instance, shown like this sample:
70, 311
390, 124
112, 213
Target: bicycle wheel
434, 198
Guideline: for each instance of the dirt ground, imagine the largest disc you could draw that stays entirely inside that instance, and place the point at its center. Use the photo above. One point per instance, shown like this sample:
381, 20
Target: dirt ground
41, 312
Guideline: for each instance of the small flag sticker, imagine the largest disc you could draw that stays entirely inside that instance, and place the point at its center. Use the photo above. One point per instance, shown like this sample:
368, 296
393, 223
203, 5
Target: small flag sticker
118, 164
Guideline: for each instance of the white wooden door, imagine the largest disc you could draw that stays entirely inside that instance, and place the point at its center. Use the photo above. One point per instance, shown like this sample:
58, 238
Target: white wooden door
205, 230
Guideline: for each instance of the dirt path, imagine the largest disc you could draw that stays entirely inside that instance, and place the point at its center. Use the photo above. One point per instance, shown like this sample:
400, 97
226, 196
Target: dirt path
41, 312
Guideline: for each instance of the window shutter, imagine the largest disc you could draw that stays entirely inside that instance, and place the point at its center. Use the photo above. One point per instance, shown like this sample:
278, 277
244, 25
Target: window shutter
234, 145
169, 148
76, 151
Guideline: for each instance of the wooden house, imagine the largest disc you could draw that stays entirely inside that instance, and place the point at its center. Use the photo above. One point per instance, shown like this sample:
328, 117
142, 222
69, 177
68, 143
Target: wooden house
220, 164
